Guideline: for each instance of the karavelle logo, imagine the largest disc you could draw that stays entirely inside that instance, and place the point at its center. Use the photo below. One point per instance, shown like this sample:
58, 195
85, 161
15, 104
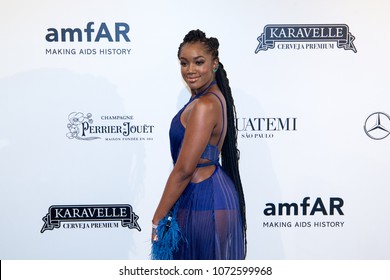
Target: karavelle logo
90, 216
377, 126
305, 36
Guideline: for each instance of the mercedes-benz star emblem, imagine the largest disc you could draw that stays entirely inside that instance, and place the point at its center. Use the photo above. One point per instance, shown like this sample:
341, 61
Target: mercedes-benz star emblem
377, 126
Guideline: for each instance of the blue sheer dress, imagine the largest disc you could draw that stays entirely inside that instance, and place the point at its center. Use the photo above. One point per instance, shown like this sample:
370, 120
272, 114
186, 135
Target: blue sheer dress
208, 212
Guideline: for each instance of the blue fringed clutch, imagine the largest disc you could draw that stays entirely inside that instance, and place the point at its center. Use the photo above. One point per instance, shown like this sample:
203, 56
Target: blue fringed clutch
168, 237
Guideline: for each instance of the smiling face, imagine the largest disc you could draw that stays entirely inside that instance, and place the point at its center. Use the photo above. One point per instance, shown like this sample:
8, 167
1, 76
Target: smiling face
197, 66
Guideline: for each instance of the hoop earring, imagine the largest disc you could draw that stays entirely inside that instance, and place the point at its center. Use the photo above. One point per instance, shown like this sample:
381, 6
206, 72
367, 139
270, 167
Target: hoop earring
216, 69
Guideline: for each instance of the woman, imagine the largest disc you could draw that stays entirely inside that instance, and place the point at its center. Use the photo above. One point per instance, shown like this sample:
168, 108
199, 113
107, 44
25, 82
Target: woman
208, 197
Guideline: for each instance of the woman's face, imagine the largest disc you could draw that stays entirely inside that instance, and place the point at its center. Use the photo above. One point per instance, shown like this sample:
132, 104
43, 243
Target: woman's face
197, 66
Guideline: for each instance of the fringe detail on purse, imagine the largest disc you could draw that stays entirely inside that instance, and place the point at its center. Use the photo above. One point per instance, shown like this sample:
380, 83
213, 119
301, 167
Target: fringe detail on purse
168, 238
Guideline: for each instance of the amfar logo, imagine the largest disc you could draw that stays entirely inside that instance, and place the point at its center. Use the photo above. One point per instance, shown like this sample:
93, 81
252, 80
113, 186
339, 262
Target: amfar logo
305, 36
82, 127
305, 207
302, 210
90, 216
87, 34
117, 33
377, 126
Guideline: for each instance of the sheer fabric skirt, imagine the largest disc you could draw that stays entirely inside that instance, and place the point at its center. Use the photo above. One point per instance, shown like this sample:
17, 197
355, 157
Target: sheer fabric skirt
210, 221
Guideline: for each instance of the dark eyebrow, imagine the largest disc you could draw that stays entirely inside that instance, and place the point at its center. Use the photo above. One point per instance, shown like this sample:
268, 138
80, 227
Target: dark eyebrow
195, 58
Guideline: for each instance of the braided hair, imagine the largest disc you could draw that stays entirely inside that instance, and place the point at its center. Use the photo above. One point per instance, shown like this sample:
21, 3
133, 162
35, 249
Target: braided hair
230, 152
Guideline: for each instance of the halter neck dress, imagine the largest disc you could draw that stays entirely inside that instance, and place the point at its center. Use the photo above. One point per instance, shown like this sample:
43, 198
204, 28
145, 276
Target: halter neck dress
208, 212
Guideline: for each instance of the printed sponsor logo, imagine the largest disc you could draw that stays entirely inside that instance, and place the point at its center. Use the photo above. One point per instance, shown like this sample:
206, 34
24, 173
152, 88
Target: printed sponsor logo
110, 128
87, 38
264, 127
306, 37
90, 216
377, 126
290, 214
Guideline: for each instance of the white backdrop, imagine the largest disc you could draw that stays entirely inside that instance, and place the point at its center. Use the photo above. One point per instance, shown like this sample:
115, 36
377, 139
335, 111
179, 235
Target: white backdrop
324, 92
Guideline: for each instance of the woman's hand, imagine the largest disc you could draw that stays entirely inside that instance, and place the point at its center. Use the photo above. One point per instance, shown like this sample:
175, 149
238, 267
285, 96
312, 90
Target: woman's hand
154, 237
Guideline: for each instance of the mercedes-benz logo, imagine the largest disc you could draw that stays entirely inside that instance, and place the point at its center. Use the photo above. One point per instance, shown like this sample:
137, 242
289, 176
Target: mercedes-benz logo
377, 126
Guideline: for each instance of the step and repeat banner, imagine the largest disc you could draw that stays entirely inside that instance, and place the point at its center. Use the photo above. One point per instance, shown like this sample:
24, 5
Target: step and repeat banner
88, 90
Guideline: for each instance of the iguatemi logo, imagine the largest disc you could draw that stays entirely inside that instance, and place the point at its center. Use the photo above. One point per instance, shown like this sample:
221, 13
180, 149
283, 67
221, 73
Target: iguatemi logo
306, 36
90, 217
264, 127
110, 128
86, 38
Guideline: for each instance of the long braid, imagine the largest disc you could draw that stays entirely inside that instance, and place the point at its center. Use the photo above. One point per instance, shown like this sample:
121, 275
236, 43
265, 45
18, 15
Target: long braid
230, 152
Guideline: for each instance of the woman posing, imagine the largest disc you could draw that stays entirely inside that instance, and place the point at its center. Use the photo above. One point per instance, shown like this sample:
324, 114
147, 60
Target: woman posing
208, 197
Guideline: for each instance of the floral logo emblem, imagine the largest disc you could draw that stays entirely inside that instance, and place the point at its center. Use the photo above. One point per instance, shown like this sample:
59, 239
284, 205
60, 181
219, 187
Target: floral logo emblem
75, 125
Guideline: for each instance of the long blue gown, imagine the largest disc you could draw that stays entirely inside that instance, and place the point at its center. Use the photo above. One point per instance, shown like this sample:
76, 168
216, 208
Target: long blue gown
208, 212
